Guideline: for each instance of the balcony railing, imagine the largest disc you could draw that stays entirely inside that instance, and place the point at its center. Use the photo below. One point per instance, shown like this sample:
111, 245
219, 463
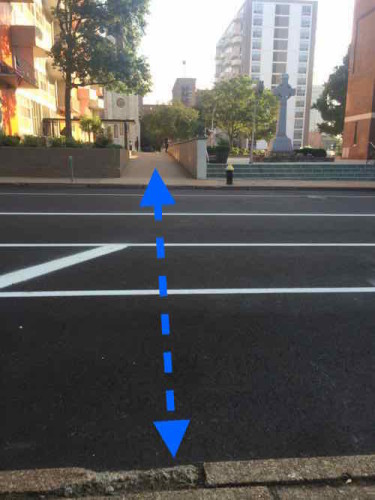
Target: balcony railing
21, 71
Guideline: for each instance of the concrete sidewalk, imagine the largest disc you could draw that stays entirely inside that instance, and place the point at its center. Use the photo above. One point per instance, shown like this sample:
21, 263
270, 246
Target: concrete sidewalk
186, 182
285, 479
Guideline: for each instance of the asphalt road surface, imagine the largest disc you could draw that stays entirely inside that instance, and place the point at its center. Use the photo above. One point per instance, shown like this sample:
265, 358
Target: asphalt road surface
272, 314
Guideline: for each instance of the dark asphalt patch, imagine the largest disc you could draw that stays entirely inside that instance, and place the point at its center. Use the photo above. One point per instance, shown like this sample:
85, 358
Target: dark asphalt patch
259, 378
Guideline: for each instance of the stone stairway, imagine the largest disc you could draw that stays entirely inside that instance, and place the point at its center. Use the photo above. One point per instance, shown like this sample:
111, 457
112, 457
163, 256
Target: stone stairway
296, 171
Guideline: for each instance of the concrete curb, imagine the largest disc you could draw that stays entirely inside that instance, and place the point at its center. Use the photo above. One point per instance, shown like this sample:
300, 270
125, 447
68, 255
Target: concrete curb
261, 476
266, 187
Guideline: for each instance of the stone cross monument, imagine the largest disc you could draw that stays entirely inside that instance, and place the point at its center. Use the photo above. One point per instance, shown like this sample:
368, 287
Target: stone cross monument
282, 143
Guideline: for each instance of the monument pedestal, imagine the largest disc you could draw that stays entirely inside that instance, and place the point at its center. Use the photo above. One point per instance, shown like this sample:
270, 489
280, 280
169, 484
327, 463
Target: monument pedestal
281, 144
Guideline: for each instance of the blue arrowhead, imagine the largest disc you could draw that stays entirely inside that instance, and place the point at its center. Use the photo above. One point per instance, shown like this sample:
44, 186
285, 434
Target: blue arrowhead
157, 195
172, 433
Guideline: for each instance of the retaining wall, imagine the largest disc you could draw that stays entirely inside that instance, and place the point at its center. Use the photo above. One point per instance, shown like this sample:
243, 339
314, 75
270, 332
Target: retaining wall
192, 155
53, 162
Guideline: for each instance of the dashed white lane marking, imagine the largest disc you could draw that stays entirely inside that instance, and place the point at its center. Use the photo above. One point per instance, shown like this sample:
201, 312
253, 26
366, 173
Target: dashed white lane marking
184, 292
189, 245
29, 273
181, 214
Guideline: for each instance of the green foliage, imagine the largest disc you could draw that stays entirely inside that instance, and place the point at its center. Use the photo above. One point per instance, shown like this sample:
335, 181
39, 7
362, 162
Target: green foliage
219, 153
103, 140
91, 125
97, 44
315, 152
33, 141
331, 104
57, 142
9, 140
174, 121
231, 106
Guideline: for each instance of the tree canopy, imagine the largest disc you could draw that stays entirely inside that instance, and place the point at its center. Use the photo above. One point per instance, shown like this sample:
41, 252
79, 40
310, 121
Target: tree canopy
97, 43
231, 105
332, 102
173, 121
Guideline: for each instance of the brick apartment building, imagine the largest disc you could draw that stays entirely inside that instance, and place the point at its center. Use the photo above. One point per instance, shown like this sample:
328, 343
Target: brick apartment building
359, 128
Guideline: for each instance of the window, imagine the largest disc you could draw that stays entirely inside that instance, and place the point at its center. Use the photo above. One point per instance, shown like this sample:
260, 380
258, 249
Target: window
298, 124
257, 33
257, 44
256, 78
306, 10
258, 21
255, 68
255, 56
355, 138
279, 68
258, 8
299, 114
298, 134
302, 69
301, 81
300, 103
305, 34
301, 91
280, 45
306, 23
276, 79
282, 10
282, 21
280, 56
115, 131
281, 33
24, 106
304, 47
303, 57
297, 144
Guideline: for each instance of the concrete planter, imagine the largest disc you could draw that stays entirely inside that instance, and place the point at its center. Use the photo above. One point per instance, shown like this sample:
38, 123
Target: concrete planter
53, 162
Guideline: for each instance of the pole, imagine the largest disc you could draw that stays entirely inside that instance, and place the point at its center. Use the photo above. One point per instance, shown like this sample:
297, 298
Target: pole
70, 163
253, 133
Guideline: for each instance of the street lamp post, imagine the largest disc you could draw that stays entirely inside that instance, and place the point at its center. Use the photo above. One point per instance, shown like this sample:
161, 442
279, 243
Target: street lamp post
259, 89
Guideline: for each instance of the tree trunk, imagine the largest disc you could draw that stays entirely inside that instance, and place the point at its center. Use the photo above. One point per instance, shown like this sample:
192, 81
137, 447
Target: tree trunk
68, 107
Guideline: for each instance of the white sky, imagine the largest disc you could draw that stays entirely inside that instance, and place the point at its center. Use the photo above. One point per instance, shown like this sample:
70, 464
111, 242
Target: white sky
189, 30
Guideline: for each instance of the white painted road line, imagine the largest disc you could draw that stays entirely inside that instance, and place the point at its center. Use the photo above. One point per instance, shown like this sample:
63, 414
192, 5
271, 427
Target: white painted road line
189, 245
29, 273
183, 292
179, 214
207, 194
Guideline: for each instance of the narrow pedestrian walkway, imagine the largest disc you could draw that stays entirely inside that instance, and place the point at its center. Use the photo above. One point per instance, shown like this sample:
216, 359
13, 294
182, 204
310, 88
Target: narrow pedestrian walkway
142, 165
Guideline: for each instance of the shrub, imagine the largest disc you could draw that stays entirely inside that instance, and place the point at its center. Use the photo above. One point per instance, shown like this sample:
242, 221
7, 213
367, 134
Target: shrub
102, 141
9, 140
57, 142
115, 146
315, 152
33, 141
72, 143
235, 151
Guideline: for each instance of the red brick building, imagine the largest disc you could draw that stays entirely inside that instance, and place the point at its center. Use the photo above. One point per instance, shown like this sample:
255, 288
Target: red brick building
360, 109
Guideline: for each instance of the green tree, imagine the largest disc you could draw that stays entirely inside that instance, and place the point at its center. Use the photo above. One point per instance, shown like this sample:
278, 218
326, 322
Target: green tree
97, 44
231, 105
173, 121
91, 125
332, 102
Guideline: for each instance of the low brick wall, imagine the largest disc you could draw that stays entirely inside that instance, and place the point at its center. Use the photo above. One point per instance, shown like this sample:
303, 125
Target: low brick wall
192, 155
53, 162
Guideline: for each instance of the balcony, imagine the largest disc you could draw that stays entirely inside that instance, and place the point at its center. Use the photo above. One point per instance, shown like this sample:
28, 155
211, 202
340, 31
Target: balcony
236, 39
28, 37
21, 74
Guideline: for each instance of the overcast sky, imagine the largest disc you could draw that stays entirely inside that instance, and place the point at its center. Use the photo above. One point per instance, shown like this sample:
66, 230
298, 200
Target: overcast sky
189, 29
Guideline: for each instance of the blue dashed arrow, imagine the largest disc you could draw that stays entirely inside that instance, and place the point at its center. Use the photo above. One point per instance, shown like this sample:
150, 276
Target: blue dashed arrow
172, 432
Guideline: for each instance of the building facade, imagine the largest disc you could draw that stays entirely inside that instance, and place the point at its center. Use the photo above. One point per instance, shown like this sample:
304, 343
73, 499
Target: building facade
32, 91
266, 39
126, 110
359, 129
185, 90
